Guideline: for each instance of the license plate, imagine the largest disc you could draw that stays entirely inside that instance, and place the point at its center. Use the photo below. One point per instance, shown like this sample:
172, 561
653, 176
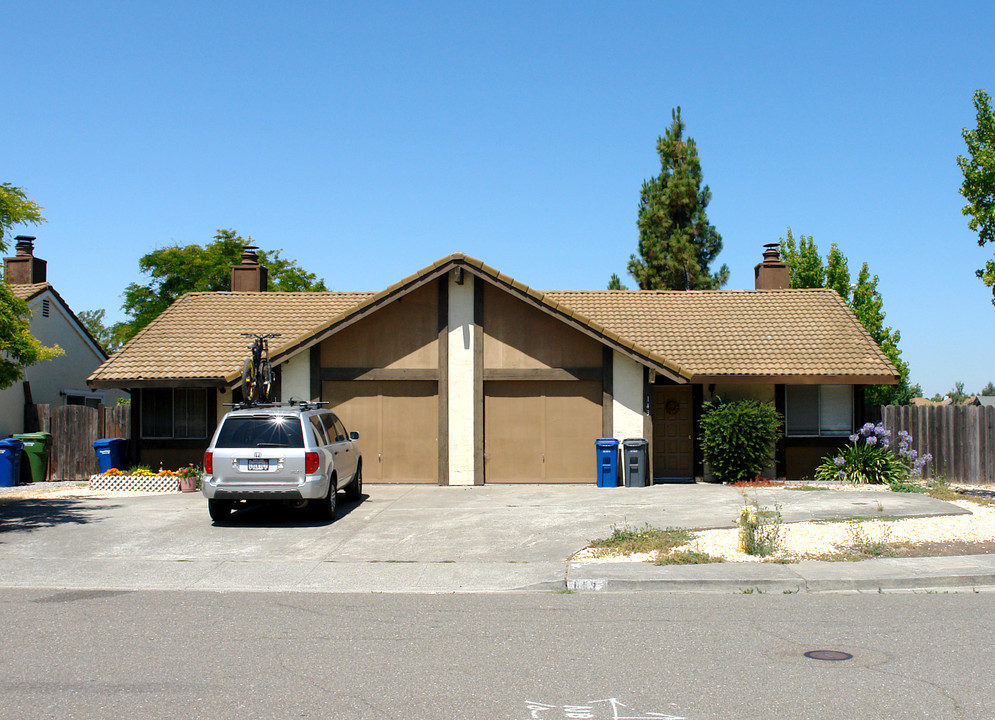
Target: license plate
258, 465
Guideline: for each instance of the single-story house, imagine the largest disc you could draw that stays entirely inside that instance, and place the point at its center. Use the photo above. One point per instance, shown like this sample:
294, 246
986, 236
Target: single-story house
62, 380
461, 375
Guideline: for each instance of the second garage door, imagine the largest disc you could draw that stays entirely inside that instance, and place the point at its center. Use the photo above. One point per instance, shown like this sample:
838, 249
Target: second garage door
541, 431
398, 426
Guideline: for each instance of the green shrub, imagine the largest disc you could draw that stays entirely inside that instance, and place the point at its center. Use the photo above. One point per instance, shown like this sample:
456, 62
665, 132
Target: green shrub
737, 438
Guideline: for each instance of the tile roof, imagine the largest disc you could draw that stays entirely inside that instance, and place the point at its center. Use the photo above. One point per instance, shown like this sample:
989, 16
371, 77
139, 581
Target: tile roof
694, 335
198, 336
26, 291
777, 333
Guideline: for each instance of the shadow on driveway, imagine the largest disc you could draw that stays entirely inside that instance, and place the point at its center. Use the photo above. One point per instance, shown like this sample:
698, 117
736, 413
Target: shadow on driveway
35, 513
278, 514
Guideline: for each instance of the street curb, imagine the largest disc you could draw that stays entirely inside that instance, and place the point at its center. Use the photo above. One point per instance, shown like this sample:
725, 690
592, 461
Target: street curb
810, 576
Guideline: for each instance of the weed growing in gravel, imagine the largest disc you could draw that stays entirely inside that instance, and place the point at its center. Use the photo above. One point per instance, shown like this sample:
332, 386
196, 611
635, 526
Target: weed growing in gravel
627, 540
867, 545
687, 557
759, 530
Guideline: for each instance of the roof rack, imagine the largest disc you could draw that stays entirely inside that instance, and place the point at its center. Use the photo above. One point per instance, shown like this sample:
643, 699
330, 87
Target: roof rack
302, 404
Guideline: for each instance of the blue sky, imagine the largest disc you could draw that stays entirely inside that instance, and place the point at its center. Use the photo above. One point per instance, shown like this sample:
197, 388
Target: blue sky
369, 139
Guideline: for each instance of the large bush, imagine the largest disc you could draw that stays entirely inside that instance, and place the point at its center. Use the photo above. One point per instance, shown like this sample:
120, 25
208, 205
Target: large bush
738, 437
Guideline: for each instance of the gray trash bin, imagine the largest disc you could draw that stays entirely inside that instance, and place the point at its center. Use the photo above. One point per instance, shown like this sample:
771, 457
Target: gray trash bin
634, 451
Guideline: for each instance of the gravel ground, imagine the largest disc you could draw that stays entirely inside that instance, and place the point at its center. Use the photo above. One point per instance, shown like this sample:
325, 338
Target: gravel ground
952, 535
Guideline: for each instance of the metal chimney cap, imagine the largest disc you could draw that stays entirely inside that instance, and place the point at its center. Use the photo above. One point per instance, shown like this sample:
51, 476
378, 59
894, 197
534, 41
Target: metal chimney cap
25, 244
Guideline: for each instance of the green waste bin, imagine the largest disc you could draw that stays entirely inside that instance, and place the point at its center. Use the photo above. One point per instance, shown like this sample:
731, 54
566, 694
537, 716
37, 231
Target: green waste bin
37, 446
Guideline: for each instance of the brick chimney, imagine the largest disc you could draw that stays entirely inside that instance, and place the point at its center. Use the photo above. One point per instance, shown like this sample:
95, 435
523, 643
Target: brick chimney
249, 276
24, 268
772, 273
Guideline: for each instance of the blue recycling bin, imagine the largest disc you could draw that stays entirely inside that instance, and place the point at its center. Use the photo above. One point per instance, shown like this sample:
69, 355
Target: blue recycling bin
111, 453
10, 461
606, 451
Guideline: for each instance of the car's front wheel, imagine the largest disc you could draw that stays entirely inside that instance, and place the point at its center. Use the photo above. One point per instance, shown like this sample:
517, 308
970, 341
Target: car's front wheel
324, 508
220, 510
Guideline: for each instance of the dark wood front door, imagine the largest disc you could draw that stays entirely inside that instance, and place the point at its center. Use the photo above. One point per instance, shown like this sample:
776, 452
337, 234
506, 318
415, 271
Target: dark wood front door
673, 428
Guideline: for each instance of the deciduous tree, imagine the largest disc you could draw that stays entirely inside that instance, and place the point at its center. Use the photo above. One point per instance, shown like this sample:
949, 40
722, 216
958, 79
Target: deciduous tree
175, 270
18, 347
677, 244
979, 180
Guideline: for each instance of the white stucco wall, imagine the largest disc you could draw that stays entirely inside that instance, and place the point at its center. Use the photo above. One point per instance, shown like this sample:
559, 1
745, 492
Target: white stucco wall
295, 378
51, 378
627, 398
460, 395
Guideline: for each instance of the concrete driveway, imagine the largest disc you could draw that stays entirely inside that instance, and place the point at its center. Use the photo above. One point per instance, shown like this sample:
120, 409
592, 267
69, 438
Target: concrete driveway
399, 538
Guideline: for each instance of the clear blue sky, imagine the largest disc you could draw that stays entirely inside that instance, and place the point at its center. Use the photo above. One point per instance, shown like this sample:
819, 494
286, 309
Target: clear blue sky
369, 139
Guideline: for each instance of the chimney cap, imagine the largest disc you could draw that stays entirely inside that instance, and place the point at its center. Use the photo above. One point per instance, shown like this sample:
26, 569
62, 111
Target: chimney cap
25, 245
772, 252
249, 255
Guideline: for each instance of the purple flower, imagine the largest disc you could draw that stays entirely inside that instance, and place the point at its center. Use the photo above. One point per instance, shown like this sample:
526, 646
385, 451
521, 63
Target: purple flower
839, 460
854, 438
872, 440
842, 475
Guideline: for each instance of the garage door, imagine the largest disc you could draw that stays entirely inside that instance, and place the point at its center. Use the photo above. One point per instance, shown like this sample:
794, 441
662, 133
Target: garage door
541, 431
398, 426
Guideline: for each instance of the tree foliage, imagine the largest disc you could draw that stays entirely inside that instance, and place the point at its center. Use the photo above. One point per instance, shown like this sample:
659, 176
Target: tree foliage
615, 283
16, 209
863, 297
677, 244
93, 321
175, 270
18, 347
979, 180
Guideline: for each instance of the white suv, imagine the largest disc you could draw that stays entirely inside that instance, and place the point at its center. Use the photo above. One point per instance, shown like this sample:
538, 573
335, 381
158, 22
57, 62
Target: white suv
298, 453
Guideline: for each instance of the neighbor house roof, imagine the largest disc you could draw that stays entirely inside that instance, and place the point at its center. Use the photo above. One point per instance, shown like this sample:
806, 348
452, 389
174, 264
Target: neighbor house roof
799, 335
29, 291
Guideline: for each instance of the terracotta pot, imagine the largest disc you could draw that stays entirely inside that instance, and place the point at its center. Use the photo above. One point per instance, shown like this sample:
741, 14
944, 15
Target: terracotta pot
188, 484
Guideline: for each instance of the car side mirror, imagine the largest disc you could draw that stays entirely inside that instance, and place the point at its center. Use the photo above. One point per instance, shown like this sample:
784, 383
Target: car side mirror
354, 435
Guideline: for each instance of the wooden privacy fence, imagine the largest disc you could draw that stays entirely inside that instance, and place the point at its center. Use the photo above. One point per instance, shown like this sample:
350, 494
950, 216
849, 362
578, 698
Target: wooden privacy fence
74, 429
961, 438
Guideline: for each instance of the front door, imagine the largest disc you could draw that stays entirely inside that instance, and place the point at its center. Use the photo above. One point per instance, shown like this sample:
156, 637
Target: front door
673, 429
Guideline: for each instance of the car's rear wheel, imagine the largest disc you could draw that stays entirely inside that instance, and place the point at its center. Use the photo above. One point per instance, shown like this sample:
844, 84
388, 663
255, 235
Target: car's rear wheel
354, 490
220, 510
324, 508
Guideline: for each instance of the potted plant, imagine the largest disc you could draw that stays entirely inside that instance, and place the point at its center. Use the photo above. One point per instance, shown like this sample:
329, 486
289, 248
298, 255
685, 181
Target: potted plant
189, 476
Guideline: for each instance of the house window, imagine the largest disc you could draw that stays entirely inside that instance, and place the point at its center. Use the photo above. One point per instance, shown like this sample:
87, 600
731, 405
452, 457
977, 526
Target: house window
177, 413
818, 410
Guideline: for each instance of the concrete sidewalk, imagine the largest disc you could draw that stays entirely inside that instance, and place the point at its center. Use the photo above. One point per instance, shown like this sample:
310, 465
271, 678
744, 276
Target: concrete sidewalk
410, 538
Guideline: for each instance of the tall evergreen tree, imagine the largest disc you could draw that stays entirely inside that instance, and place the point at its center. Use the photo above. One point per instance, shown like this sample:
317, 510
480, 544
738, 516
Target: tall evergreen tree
677, 245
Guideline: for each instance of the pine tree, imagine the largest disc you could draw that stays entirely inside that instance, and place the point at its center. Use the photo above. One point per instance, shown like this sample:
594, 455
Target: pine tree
677, 245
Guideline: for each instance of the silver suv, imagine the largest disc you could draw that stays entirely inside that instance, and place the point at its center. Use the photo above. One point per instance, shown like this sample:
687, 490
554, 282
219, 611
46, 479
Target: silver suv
298, 453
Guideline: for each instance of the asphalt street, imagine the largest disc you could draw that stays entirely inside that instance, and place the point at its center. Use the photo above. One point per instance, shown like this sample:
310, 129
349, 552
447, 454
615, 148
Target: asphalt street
504, 656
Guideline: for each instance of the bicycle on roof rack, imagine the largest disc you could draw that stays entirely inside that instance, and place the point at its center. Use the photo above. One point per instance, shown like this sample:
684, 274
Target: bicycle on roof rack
257, 373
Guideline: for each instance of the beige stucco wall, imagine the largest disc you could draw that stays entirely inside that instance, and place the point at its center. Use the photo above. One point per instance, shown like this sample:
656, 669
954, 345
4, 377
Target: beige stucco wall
66, 372
460, 381
747, 391
295, 378
627, 398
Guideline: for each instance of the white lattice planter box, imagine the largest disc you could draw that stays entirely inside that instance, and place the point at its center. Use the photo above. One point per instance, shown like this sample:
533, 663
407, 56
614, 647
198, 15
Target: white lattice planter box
136, 483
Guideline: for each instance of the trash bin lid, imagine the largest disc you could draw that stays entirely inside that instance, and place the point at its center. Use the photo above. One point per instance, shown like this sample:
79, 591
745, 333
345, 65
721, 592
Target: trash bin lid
11, 443
635, 442
606, 442
109, 442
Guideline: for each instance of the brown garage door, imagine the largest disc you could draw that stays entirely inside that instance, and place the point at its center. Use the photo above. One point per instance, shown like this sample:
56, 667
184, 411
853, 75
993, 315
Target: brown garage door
541, 431
398, 426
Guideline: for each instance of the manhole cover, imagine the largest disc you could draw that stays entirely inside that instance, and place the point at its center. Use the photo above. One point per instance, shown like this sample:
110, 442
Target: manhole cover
828, 655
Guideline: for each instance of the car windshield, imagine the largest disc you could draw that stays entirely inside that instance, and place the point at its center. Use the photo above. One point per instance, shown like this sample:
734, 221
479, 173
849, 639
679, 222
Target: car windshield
261, 431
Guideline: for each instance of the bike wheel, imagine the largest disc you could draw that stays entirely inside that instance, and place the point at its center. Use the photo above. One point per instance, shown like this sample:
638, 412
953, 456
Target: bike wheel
249, 390
266, 382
